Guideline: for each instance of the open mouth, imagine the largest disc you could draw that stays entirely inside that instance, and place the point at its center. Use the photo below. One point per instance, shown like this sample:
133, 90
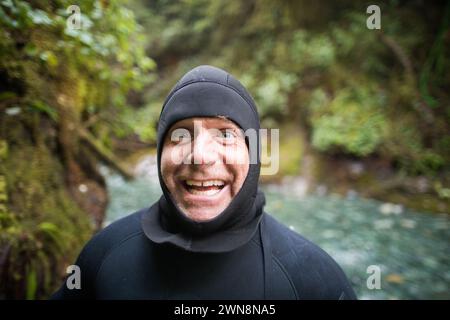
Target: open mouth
204, 187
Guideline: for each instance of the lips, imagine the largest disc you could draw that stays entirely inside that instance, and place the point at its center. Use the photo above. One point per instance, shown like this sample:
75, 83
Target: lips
204, 187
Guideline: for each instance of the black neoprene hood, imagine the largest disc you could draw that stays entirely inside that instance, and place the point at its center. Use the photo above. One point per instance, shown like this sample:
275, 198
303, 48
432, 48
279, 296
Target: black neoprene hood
207, 91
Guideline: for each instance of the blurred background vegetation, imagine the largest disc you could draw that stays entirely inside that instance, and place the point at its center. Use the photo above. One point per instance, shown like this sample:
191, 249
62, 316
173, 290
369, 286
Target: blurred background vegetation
360, 111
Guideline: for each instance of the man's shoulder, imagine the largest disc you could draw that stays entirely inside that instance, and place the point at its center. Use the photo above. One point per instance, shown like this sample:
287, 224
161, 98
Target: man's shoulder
106, 240
97, 249
286, 241
314, 272
117, 232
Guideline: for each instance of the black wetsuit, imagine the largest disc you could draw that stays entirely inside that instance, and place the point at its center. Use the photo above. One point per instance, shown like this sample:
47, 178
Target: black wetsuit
122, 263
243, 253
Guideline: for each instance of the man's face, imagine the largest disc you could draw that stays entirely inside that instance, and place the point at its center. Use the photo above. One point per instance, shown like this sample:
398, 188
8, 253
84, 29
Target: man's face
204, 163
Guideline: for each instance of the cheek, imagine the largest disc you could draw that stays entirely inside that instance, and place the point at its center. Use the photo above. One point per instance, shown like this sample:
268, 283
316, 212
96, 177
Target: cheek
242, 171
237, 154
240, 165
168, 165
173, 156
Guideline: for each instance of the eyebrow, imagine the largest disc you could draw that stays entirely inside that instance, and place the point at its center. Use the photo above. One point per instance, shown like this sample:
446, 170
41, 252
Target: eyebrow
215, 124
183, 123
224, 122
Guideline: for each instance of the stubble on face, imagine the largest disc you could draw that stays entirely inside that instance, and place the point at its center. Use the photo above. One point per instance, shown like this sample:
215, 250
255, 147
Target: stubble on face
204, 163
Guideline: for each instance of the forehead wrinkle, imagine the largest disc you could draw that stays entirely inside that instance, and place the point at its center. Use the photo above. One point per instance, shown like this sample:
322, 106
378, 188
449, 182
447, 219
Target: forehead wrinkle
205, 121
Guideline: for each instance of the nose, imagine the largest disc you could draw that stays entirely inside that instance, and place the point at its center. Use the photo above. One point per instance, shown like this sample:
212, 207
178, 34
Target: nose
204, 149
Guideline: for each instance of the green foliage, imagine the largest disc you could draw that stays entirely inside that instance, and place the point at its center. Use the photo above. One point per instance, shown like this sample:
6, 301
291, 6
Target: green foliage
31, 284
291, 151
41, 228
352, 121
141, 121
52, 77
286, 52
106, 55
40, 106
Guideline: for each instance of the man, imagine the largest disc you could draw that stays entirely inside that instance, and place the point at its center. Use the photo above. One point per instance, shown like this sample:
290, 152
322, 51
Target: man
208, 236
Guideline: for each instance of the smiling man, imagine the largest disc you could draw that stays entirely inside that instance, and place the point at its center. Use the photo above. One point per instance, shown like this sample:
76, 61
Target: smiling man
204, 163
208, 236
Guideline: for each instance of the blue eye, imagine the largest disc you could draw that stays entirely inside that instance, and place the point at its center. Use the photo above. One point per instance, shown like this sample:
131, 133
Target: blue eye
180, 135
227, 134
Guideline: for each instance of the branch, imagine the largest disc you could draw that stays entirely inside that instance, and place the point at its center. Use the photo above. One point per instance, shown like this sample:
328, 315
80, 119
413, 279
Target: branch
104, 153
399, 53
404, 60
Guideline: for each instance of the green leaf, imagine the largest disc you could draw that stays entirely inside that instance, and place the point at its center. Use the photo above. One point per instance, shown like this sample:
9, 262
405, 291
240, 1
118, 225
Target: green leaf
31, 284
39, 17
44, 108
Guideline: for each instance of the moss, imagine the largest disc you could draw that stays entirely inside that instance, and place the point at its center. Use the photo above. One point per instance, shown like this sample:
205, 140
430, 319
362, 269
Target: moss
3, 149
393, 188
39, 233
291, 151
419, 202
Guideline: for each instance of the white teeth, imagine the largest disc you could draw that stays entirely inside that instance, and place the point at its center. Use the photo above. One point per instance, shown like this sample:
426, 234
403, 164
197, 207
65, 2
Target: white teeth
209, 183
205, 183
210, 192
194, 183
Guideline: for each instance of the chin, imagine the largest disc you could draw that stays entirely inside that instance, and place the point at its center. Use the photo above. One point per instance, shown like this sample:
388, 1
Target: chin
202, 215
